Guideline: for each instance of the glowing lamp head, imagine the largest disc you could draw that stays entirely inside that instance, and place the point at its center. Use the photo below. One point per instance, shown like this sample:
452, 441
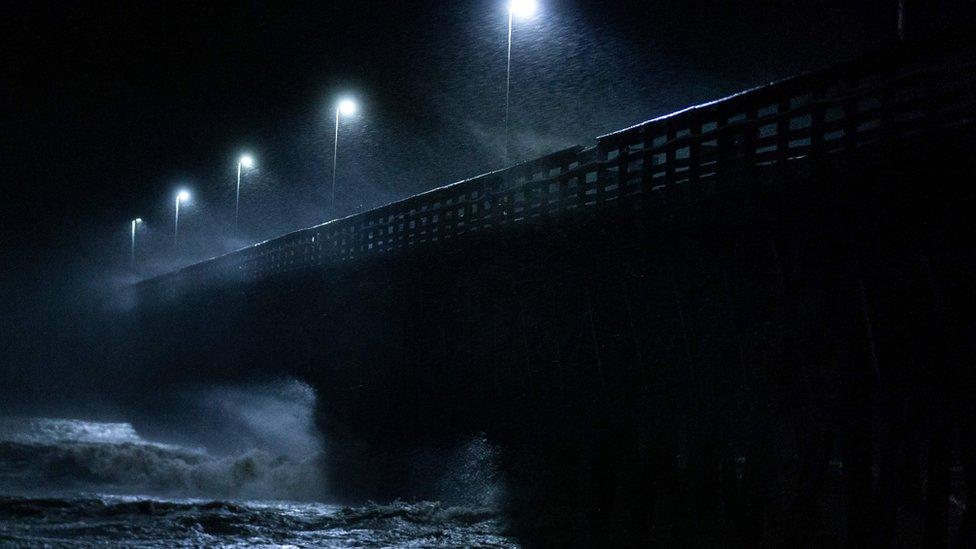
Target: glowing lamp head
183, 196
137, 220
522, 8
247, 161
347, 107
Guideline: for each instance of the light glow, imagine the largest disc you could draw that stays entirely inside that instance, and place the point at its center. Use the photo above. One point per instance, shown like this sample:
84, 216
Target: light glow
247, 161
522, 8
183, 196
347, 107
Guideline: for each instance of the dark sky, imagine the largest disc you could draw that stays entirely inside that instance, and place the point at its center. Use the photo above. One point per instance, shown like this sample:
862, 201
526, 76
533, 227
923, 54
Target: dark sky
107, 107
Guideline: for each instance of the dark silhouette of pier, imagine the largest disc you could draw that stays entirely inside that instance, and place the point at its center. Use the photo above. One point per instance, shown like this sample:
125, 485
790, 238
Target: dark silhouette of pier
750, 322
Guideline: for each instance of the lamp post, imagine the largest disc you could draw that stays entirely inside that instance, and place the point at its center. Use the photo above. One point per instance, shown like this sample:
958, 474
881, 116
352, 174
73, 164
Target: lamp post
522, 9
246, 161
132, 249
345, 107
901, 20
181, 196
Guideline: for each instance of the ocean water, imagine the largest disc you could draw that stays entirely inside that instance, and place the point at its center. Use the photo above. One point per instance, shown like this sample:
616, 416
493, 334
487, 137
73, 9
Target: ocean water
73, 483
90, 520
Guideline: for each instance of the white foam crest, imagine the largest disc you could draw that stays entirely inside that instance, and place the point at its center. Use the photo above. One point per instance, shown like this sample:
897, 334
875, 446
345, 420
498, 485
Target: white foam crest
43, 454
41, 430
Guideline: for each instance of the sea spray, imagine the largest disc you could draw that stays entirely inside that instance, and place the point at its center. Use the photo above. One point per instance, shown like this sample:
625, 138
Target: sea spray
45, 455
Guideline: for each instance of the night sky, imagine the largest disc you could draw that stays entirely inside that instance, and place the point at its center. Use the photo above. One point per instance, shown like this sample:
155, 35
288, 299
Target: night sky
109, 107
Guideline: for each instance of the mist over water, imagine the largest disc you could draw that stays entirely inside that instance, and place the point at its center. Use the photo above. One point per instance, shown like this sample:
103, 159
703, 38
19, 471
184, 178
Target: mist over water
227, 466
274, 416
246, 442
141, 467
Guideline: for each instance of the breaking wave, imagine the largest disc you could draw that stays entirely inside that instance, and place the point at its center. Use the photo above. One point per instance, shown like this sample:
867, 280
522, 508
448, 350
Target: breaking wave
68, 482
39, 455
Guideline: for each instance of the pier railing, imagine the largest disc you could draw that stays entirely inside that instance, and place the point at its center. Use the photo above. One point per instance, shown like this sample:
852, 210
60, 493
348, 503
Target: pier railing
890, 97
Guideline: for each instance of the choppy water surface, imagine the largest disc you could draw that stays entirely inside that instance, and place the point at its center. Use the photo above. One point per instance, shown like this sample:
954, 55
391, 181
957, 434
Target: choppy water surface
71, 483
90, 520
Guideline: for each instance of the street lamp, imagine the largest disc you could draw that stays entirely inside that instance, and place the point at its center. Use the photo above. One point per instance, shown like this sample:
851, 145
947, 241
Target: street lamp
522, 9
345, 107
132, 250
245, 161
181, 196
